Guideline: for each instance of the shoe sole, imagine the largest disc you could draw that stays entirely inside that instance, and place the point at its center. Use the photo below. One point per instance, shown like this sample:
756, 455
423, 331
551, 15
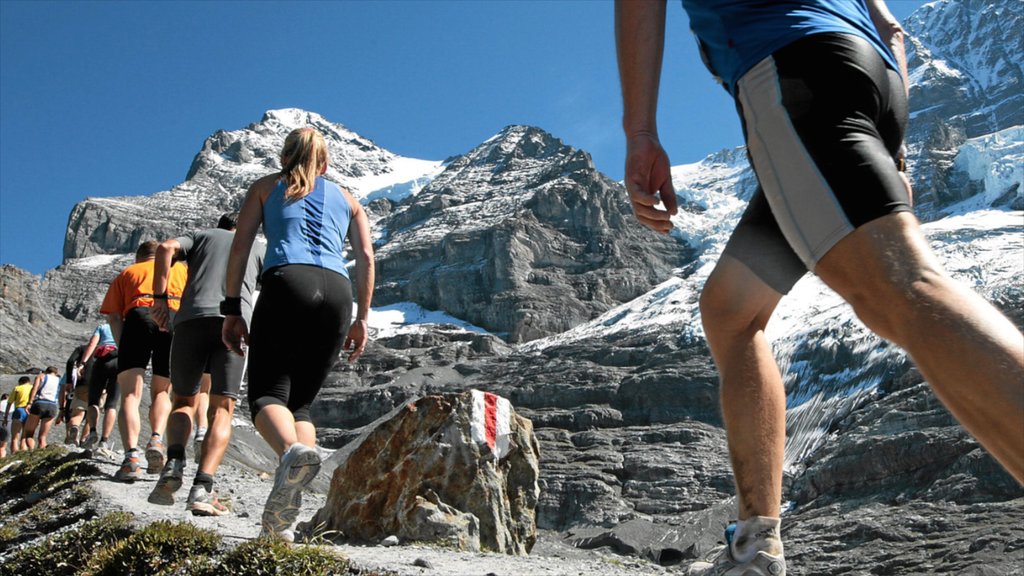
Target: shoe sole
163, 493
154, 460
285, 499
128, 478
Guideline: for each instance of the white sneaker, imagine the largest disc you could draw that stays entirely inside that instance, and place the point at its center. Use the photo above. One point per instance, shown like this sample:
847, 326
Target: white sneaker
299, 465
721, 561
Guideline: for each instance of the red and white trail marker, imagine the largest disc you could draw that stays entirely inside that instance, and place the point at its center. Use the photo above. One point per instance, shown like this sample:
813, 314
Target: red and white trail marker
492, 422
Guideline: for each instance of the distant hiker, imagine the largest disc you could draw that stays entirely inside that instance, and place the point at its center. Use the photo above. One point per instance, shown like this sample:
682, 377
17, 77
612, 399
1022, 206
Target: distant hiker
127, 305
5, 427
820, 89
43, 407
197, 347
302, 319
17, 411
100, 358
75, 395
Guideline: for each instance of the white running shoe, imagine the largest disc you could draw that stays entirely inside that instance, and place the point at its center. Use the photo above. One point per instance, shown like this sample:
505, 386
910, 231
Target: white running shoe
299, 465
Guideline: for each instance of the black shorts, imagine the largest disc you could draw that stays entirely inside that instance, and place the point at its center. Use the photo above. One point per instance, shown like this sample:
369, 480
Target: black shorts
298, 328
102, 375
142, 340
824, 118
44, 410
197, 347
4, 434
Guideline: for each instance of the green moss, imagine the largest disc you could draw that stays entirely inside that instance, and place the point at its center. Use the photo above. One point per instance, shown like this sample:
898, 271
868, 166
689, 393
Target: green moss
161, 548
67, 553
266, 556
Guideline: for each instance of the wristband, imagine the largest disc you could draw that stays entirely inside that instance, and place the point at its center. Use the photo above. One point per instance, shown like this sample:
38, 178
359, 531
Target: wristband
160, 296
231, 306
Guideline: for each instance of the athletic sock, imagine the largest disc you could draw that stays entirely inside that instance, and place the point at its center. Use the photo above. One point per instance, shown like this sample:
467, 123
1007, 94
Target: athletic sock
205, 480
756, 534
176, 452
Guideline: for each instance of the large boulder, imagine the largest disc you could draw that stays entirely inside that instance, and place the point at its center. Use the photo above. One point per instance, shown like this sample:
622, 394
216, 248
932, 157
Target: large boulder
461, 469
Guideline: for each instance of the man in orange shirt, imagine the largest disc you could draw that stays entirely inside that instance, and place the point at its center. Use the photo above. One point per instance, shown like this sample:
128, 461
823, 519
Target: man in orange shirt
139, 339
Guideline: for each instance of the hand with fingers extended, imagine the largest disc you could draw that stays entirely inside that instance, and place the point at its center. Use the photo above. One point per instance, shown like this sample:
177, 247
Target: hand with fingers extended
235, 334
649, 182
356, 339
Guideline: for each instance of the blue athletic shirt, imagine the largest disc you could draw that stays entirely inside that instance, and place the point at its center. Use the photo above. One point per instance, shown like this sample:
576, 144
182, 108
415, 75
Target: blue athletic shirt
737, 34
106, 337
310, 230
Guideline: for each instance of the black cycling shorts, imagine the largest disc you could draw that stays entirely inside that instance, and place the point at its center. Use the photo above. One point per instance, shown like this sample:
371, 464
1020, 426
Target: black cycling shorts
44, 410
196, 348
824, 118
298, 328
142, 340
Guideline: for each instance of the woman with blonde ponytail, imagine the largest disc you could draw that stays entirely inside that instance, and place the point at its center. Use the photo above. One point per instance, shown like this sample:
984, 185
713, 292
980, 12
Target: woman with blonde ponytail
302, 320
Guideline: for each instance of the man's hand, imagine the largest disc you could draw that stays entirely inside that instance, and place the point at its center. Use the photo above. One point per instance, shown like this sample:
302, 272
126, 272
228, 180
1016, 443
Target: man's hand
649, 182
356, 339
235, 334
160, 314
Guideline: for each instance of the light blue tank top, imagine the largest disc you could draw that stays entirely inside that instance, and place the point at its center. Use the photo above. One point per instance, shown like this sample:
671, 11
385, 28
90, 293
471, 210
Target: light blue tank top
735, 35
106, 337
310, 230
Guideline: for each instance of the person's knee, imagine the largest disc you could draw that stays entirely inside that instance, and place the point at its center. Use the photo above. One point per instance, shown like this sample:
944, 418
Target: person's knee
731, 306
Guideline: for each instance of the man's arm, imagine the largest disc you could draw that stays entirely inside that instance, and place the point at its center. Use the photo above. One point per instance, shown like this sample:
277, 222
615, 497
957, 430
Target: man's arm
892, 34
640, 41
166, 252
116, 324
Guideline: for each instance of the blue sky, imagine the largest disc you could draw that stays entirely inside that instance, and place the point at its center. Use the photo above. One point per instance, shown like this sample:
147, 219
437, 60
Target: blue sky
116, 98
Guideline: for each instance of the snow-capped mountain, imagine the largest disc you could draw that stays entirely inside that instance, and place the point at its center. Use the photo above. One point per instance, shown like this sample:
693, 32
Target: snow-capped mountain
222, 171
966, 60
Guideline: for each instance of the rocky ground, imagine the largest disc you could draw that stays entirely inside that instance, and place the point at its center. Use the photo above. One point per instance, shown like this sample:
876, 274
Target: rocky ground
247, 489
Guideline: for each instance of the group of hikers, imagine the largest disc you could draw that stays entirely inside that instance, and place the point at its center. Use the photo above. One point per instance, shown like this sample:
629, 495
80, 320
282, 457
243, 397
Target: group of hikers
820, 87
185, 309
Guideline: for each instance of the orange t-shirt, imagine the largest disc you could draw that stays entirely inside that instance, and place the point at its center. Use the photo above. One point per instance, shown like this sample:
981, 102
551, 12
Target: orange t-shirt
133, 288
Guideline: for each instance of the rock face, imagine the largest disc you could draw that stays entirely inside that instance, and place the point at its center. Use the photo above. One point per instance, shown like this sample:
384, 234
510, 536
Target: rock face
521, 236
456, 469
966, 59
32, 334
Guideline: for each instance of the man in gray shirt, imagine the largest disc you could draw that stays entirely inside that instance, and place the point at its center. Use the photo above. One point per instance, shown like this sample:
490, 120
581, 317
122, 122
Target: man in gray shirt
197, 348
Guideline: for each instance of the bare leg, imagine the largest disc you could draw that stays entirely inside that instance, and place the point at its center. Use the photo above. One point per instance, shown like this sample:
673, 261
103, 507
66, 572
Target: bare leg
109, 419
130, 383
44, 431
277, 426
971, 355
203, 403
29, 435
218, 435
179, 425
160, 405
735, 307
17, 438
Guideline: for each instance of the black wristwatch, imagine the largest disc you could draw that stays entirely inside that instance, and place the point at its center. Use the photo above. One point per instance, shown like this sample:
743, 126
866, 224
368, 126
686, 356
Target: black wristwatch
160, 296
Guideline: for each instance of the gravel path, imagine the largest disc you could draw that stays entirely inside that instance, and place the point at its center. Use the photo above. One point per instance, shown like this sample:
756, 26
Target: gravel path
247, 489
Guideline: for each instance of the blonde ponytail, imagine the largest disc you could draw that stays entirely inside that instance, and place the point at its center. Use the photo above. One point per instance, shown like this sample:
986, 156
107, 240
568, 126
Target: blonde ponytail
303, 158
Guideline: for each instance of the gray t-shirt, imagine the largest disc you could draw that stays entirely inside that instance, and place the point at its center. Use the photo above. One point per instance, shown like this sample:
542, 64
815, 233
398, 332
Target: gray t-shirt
206, 253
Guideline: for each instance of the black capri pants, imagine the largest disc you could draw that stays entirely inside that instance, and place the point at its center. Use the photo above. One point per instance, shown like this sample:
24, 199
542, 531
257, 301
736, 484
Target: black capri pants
102, 375
298, 328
